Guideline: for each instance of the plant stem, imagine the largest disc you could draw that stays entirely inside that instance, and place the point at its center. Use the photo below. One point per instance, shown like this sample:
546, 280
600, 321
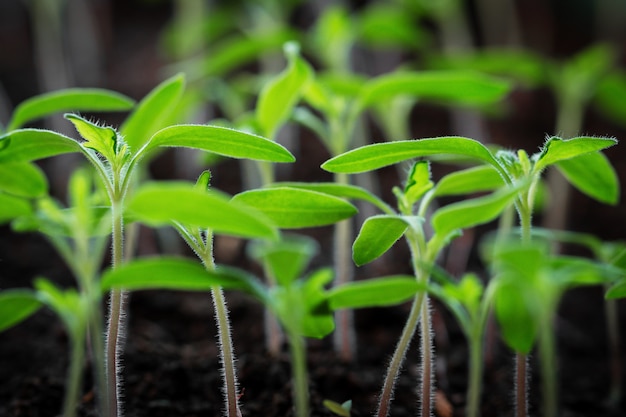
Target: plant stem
226, 352
343, 336
75, 374
97, 343
299, 374
521, 404
548, 370
475, 373
115, 324
427, 359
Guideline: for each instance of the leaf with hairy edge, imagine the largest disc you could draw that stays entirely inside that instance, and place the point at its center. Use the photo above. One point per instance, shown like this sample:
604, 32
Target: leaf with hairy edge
24, 145
557, 149
294, 208
468, 181
12, 207
102, 139
460, 87
339, 190
23, 179
279, 96
153, 112
472, 212
592, 174
377, 236
71, 99
166, 202
371, 157
378, 292
222, 141
178, 274
16, 306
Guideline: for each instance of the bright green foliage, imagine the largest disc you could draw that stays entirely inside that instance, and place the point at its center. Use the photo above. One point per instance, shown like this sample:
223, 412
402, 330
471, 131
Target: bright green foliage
22, 179
371, 157
69, 305
468, 181
25, 145
279, 96
556, 149
287, 258
153, 112
293, 208
176, 202
378, 292
377, 236
178, 274
101, 139
16, 306
12, 207
220, 140
73, 99
593, 175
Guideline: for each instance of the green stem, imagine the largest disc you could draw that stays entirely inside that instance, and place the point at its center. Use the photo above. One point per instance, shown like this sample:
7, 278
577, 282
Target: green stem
548, 370
115, 324
343, 336
299, 374
427, 360
474, 388
97, 343
75, 375
615, 391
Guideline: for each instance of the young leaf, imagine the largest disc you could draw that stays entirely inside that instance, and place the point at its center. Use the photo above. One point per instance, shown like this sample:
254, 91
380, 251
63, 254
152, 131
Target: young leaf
12, 207
153, 112
102, 139
16, 305
371, 157
472, 212
557, 150
460, 87
514, 311
71, 99
178, 274
468, 181
340, 190
294, 208
280, 95
377, 236
166, 202
22, 179
379, 292
286, 258
317, 320
592, 174
222, 141
24, 145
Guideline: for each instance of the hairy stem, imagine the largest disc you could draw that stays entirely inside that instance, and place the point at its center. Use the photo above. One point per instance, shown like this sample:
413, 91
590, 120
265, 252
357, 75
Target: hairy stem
427, 360
521, 377
226, 353
100, 373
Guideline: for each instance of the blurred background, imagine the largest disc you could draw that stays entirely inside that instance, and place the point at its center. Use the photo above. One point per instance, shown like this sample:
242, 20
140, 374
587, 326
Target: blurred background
566, 59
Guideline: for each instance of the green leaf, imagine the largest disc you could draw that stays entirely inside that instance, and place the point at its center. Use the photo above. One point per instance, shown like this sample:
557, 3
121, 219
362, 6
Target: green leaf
371, 157
153, 112
166, 202
339, 190
379, 292
280, 95
377, 236
222, 141
514, 311
473, 212
16, 306
22, 179
617, 291
177, 274
593, 175
286, 258
458, 87
610, 95
102, 139
12, 207
342, 410
71, 99
557, 150
294, 208
468, 181
24, 145
318, 320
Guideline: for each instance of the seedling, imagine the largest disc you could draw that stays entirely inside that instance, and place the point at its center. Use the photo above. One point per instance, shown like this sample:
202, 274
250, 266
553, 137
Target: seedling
116, 156
576, 158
